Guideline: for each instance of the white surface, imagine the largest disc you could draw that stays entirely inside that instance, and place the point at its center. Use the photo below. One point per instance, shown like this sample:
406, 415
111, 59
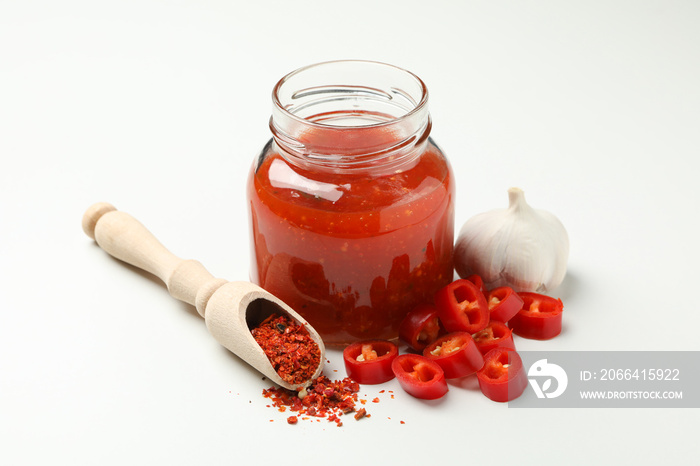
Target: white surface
593, 108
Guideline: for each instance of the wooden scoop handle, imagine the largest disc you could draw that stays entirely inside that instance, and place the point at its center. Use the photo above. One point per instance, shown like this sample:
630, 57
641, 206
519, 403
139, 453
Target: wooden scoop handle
124, 237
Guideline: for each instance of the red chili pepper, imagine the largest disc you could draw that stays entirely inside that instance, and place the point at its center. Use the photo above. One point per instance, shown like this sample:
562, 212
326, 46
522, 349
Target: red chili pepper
369, 362
539, 318
462, 307
502, 378
456, 353
420, 327
504, 303
419, 376
495, 335
479, 282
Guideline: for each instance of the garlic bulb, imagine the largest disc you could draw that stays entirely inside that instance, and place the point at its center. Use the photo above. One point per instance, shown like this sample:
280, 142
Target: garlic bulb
520, 247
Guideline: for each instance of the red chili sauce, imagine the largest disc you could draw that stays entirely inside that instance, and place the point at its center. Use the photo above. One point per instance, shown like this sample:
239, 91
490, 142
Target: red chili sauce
352, 251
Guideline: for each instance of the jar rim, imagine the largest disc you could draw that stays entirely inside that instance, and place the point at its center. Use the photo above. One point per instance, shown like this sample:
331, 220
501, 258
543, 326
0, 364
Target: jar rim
418, 107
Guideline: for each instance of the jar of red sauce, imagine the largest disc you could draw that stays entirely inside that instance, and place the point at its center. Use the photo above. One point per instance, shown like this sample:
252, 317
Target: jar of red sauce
351, 202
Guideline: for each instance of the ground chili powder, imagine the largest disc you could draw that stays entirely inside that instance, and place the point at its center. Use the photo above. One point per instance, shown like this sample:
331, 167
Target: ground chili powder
294, 355
323, 399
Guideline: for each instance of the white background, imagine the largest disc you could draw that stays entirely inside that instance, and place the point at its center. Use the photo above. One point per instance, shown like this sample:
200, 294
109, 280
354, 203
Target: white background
592, 107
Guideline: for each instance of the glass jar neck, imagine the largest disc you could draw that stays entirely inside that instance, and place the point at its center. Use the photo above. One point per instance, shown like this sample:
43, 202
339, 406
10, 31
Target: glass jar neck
347, 115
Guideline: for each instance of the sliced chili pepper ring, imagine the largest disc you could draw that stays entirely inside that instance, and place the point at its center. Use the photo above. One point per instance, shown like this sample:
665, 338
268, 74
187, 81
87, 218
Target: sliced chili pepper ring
419, 376
420, 327
456, 353
540, 317
369, 362
503, 377
504, 303
495, 335
462, 307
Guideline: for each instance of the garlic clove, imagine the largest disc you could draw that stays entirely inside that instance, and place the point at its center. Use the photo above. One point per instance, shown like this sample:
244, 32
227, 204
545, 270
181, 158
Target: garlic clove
521, 247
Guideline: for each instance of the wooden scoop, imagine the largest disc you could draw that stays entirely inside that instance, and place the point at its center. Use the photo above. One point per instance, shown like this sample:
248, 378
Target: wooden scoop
230, 309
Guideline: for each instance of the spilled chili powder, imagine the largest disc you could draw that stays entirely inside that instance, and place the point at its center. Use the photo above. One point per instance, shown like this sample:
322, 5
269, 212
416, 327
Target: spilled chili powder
323, 399
294, 355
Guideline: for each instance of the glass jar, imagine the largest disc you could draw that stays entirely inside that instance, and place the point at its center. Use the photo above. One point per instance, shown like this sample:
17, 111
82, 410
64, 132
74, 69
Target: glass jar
351, 202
